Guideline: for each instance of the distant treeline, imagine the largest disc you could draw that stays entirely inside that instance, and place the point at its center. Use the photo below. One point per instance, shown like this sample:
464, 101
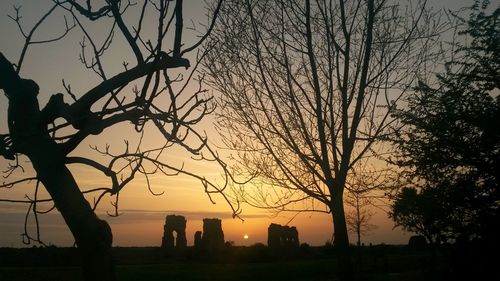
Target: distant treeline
55, 256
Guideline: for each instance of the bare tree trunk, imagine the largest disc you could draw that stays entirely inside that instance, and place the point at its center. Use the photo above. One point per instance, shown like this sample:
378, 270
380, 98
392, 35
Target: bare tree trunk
92, 235
341, 242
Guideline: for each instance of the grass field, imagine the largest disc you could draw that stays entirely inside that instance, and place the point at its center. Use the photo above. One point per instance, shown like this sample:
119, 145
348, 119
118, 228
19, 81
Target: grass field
245, 264
314, 270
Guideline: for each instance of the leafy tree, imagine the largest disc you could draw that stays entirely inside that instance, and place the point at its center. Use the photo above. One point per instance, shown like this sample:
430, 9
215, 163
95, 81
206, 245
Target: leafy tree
305, 91
450, 145
159, 104
420, 212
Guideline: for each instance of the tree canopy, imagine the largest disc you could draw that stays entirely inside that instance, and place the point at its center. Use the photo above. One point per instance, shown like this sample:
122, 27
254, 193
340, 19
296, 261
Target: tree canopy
305, 91
450, 145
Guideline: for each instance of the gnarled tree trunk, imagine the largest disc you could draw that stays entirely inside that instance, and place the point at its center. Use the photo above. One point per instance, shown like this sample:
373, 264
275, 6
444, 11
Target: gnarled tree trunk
92, 235
29, 136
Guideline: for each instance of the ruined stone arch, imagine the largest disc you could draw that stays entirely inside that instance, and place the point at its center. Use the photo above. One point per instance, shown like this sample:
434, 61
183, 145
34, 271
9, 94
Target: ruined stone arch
177, 224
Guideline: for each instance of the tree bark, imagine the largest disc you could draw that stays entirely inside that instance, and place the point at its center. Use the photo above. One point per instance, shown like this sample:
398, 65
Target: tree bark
341, 242
93, 236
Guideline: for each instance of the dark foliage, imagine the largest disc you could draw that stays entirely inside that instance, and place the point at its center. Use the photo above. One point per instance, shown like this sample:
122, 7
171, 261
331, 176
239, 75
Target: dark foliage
450, 147
451, 142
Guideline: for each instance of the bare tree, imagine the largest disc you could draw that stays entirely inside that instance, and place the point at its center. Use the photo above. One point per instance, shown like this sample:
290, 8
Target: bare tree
306, 90
359, 217
365, 189
149, 93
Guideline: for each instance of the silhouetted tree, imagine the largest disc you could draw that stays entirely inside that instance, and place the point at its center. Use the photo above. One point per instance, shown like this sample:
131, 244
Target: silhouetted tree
306, 88
421, 212
362, 197
450, 149
450, 146
160, 104
359, 217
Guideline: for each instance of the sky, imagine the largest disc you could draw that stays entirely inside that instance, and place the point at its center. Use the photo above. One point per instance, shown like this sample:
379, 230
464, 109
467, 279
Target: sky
142, 214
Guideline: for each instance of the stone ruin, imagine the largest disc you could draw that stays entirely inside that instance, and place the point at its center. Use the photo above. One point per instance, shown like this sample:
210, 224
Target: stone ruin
212, 238
177, 224
417, 242
197, 239
282, 237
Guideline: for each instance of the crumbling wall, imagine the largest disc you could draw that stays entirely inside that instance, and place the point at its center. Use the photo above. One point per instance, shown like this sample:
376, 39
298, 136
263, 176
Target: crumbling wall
282, 237
177, 224
274, 236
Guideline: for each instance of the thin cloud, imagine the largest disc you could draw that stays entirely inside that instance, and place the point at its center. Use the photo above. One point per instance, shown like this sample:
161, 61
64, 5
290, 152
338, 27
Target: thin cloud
193, 215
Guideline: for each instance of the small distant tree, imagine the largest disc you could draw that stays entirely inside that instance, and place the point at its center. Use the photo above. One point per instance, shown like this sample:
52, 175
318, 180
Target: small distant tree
359, 217
159, 104
363, 191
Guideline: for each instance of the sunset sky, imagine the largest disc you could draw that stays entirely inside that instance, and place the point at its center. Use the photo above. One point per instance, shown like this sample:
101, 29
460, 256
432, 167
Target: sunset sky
142, 219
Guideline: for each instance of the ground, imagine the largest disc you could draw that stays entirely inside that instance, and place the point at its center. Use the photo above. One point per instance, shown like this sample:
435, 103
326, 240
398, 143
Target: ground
379, 263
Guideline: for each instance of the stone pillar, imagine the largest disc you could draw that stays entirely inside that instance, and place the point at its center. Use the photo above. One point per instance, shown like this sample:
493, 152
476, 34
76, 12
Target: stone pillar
274, 236
197, 240
213, 236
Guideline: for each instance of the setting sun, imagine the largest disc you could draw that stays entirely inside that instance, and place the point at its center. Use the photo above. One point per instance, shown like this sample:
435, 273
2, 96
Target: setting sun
245, 236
